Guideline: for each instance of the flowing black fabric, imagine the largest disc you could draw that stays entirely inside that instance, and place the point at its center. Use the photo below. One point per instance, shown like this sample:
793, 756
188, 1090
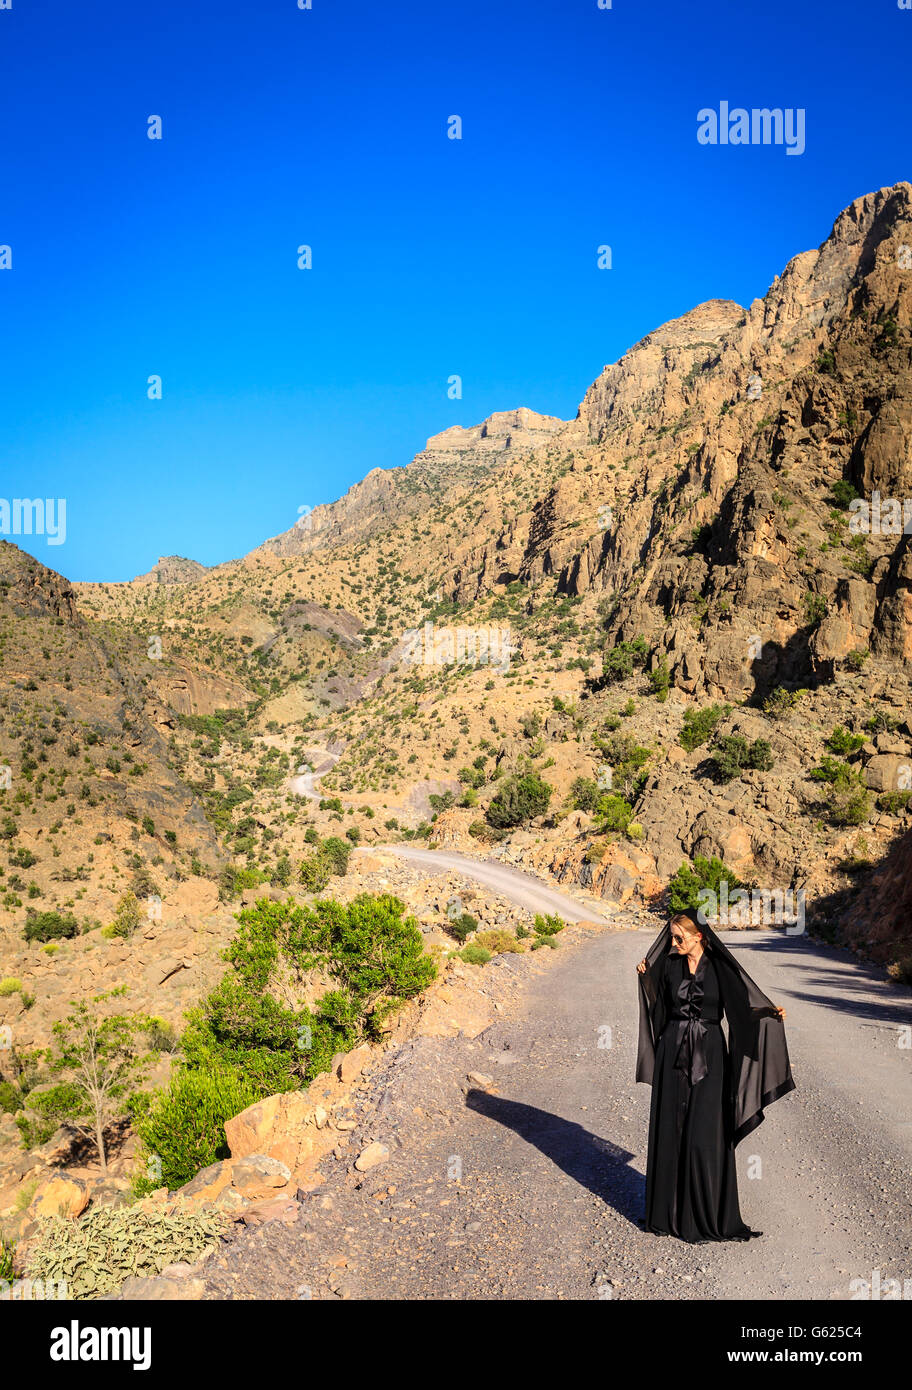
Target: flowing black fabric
706, 1095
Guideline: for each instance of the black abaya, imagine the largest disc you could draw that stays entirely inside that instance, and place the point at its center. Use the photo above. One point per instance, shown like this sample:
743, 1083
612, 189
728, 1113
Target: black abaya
691, 1186
706, 1095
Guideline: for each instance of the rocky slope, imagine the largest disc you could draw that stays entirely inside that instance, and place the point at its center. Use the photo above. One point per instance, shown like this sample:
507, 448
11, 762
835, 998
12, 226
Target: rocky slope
689, 540
701, 501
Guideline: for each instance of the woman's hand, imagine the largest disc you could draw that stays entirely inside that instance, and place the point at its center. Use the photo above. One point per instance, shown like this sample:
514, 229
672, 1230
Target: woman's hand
780, 1013
641, 968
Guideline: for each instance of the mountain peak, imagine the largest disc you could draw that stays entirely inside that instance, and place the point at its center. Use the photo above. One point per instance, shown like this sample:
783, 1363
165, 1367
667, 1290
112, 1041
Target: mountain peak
172, 569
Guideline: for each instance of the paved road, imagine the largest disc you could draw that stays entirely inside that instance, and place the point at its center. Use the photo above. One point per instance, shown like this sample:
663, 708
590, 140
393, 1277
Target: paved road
522, 888
533, 1190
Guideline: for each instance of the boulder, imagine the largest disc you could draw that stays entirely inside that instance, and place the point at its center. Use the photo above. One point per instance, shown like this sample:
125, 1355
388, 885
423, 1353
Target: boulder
258, 1174
353, 1063
888, 772
375, 1154
160, 1289
282, 1127
59, 1195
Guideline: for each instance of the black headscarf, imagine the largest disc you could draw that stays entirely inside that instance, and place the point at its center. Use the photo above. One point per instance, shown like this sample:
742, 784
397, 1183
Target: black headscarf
760, 1070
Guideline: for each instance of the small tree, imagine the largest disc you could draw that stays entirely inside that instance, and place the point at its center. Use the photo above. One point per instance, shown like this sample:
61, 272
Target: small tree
691, 880
660, 679
700, 725
104, 1063
519, 799
128, 915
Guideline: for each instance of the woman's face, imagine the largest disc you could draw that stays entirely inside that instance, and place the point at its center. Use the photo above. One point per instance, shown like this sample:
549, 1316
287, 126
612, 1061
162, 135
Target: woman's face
684, 939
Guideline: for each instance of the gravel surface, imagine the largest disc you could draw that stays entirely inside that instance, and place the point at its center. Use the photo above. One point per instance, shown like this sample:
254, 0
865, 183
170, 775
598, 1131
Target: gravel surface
530, 1184
525, 889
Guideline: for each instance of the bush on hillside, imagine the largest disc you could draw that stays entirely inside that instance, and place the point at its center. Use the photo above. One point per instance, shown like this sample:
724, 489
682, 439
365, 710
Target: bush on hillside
691, 880
519, 799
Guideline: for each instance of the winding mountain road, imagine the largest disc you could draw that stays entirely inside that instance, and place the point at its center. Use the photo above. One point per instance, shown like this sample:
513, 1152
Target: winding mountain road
521, 888
305, 783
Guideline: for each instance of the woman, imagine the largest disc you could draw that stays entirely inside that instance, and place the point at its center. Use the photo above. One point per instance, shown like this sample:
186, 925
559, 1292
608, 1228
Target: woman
705, 1096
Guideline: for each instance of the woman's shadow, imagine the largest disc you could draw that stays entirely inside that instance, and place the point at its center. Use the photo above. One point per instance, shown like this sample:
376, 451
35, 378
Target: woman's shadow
604, 1168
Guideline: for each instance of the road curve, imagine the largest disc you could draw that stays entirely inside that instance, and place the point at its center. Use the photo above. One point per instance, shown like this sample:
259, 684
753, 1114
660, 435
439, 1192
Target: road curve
521, 888
305, 783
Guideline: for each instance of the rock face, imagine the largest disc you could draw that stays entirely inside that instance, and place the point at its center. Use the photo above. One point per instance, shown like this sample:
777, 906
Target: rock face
505, 430
172, 569
456, 454
878, 919
32, 590
282, 1127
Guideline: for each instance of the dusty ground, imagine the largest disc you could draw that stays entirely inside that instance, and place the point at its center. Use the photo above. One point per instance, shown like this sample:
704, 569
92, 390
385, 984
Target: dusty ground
531, 1186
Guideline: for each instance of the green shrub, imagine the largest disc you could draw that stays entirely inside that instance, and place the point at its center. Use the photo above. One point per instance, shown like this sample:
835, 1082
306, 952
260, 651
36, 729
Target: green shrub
843, 493
518, 800
330, 858
584, 794
255, 1021
475, 955
700, 724
462, 926
49, 926
183, 1126
842, 742
614, 813
620, 662
733, 754
837, 774
282, 874
338, 853
127, 917
547, 925
660, 679
815, 606
780, 701
161, 1036
852, 807
45, 1111
625, 755
315, 872
691, 880
10, 1098
96, 1253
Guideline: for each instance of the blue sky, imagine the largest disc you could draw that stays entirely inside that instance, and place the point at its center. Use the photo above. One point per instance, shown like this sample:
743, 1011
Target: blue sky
431, 257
